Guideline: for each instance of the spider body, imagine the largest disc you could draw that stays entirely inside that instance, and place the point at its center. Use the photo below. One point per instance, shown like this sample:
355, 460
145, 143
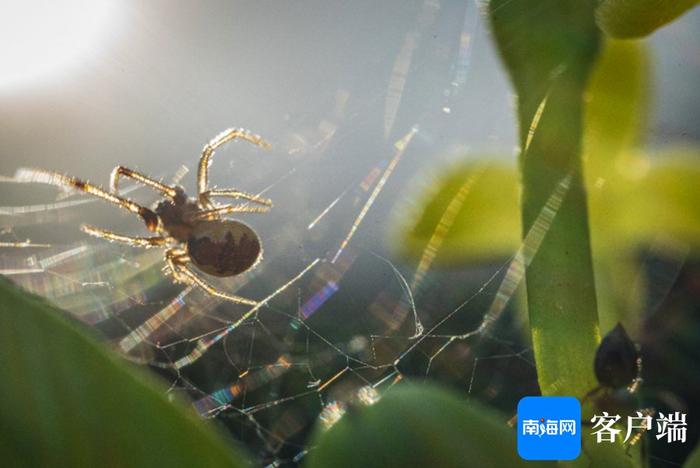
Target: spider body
193, 230
223, 248
618, 368
178, 216
217, 247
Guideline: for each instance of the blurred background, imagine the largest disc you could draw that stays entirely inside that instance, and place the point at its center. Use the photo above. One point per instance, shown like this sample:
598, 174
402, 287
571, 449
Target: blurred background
365, 105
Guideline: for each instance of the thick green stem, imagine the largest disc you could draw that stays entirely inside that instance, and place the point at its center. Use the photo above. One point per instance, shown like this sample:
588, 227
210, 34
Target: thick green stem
560, 287
549, 47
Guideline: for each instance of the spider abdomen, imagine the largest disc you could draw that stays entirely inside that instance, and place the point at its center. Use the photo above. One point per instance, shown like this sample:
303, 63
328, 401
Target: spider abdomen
223, 247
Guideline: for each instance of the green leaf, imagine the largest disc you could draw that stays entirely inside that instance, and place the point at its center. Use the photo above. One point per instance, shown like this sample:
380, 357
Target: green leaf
638, 18
67, 401
647, 201
617, 105
417, 426
472, 215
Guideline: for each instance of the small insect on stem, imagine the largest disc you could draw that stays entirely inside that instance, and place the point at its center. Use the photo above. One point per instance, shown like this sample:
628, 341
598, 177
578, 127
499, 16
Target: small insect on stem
192, 230
617, 361
618, 369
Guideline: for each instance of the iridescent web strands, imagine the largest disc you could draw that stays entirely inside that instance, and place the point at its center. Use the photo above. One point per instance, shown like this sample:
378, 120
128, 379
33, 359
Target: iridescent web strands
284, 335
65, 275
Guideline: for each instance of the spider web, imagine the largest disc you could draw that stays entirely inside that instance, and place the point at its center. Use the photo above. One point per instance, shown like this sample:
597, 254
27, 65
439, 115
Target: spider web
270, 371
339, 319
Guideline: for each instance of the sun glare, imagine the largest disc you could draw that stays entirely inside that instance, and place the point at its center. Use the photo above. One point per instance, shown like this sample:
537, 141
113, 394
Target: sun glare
41, 38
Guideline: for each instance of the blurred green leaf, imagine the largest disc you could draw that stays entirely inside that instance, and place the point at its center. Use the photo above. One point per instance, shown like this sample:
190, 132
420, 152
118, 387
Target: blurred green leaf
617, 104
473, 214
638, 18
417, 426
644, 201
638, 204
66, 401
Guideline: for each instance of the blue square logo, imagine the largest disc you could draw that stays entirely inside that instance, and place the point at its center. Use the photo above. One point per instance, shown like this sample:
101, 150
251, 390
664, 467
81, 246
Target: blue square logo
549, 428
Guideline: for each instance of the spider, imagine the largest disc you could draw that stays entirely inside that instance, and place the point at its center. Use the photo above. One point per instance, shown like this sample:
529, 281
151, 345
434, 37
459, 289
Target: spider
192, 230
618, 369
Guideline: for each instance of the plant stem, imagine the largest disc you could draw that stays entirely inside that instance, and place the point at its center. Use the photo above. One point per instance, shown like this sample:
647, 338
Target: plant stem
560, 287
549, 47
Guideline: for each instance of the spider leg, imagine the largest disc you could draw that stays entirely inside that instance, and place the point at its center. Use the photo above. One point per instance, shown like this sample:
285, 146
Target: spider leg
640, 432
208, 152
63, 181
237, 194
121, 171
216, 213
178, 260
173, 257
146, 242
